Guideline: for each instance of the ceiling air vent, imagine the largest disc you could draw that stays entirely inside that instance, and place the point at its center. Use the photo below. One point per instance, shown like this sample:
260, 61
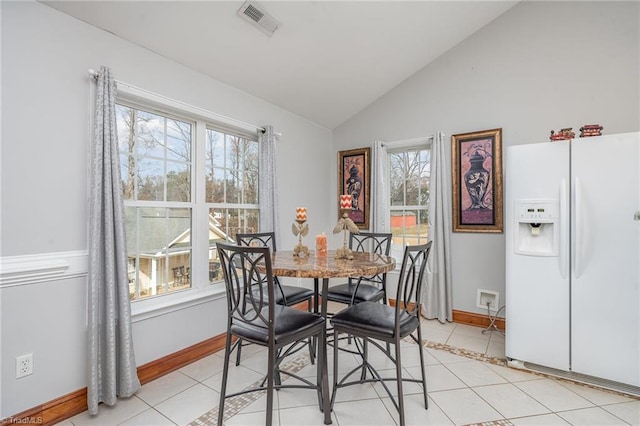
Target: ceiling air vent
255, 14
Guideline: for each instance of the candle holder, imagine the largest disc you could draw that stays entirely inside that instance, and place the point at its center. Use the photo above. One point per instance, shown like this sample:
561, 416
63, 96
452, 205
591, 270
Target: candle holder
300, 229
345, 224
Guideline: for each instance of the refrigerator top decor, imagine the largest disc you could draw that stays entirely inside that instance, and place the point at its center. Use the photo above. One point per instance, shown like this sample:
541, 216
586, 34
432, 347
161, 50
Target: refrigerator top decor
562, 135
590, 130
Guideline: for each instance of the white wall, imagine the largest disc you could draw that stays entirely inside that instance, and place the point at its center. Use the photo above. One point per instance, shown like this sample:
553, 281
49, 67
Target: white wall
540, 66
45, 116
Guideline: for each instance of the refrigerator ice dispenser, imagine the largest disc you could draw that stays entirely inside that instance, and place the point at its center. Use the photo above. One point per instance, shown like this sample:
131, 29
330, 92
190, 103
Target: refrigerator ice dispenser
536, 225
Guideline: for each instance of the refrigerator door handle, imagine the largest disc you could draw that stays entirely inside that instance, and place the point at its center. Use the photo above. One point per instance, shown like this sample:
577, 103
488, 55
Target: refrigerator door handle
563, 234
578, 227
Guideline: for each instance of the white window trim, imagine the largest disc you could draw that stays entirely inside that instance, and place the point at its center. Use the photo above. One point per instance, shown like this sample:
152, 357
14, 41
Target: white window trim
160, 305
129, 92
405, 144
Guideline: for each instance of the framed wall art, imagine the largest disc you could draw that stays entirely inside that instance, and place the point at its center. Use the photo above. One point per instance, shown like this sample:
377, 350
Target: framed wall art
354, 179
477, 181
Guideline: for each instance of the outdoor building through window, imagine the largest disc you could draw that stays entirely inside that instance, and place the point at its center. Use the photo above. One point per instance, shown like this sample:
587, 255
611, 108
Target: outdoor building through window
171, 191
409, 172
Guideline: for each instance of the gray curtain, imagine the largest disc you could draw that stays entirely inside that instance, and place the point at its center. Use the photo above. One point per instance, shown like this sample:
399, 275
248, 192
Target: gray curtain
268, 182
112, 366
380, 201
437, 299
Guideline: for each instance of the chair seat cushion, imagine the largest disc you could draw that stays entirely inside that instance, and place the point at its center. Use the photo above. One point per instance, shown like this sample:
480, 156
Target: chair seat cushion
290, 325
292, 294
344, 292
374, 320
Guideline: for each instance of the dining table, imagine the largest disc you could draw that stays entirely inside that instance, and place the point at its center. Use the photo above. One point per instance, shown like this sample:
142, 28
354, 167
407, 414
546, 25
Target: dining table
324, 266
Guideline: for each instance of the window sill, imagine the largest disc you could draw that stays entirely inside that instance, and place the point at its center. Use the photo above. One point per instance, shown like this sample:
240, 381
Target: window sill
162, 305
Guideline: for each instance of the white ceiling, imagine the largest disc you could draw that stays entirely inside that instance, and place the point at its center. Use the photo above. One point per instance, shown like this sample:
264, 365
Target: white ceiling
329, 59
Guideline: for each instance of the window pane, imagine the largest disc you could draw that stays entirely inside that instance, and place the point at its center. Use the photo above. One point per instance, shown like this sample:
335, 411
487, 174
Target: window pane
251, 188
147, 142
233, 223
217, 233
413, 191
251, 156
229, 222
234, 152
150, 130
252, 220
232, 187
124, 118
423, 193
396, 190
215, 186
231, 168
397, 178
158, 249
178, 140
150, 180
214, 149
409, 174
178, 182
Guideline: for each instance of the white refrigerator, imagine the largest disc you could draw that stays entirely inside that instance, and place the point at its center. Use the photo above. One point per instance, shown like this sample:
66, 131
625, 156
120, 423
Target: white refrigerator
572, 233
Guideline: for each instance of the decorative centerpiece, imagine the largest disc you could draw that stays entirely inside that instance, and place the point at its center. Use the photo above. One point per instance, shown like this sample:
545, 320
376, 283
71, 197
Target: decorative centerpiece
300, 229
345, 224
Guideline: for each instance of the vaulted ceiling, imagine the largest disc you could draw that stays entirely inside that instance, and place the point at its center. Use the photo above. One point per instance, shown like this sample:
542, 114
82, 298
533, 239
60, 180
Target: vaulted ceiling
326, 62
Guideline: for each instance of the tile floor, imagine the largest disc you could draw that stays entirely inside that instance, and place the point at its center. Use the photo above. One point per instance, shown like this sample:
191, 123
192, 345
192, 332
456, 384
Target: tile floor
462, 390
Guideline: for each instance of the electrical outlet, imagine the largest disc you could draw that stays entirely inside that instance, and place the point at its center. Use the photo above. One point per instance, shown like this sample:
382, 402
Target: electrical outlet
24, 365
487, 296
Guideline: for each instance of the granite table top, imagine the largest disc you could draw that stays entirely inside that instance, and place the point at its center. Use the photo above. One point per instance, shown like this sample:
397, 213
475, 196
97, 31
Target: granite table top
285, 264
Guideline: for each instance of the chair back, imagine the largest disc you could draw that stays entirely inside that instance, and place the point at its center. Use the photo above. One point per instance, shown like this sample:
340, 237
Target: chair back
262, 239
246, 269
259, 239
371, 242
410, 281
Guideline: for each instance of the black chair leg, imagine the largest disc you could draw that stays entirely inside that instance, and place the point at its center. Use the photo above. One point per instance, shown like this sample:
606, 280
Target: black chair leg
239, 352
225, 376
424, 378
320, 379
365, 348
399, 381
312, 340
384, 301
270, 376
335, 368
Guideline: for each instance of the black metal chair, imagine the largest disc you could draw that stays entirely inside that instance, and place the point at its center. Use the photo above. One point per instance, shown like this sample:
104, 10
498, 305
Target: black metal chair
286, 295
368, 288
371, 288
374, 322
283, 330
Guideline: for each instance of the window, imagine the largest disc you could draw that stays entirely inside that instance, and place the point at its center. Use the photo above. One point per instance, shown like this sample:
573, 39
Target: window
409, 172
232, 181
171, 192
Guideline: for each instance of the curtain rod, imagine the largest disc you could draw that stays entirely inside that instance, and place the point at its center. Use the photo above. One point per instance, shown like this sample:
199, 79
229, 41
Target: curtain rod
94, 74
